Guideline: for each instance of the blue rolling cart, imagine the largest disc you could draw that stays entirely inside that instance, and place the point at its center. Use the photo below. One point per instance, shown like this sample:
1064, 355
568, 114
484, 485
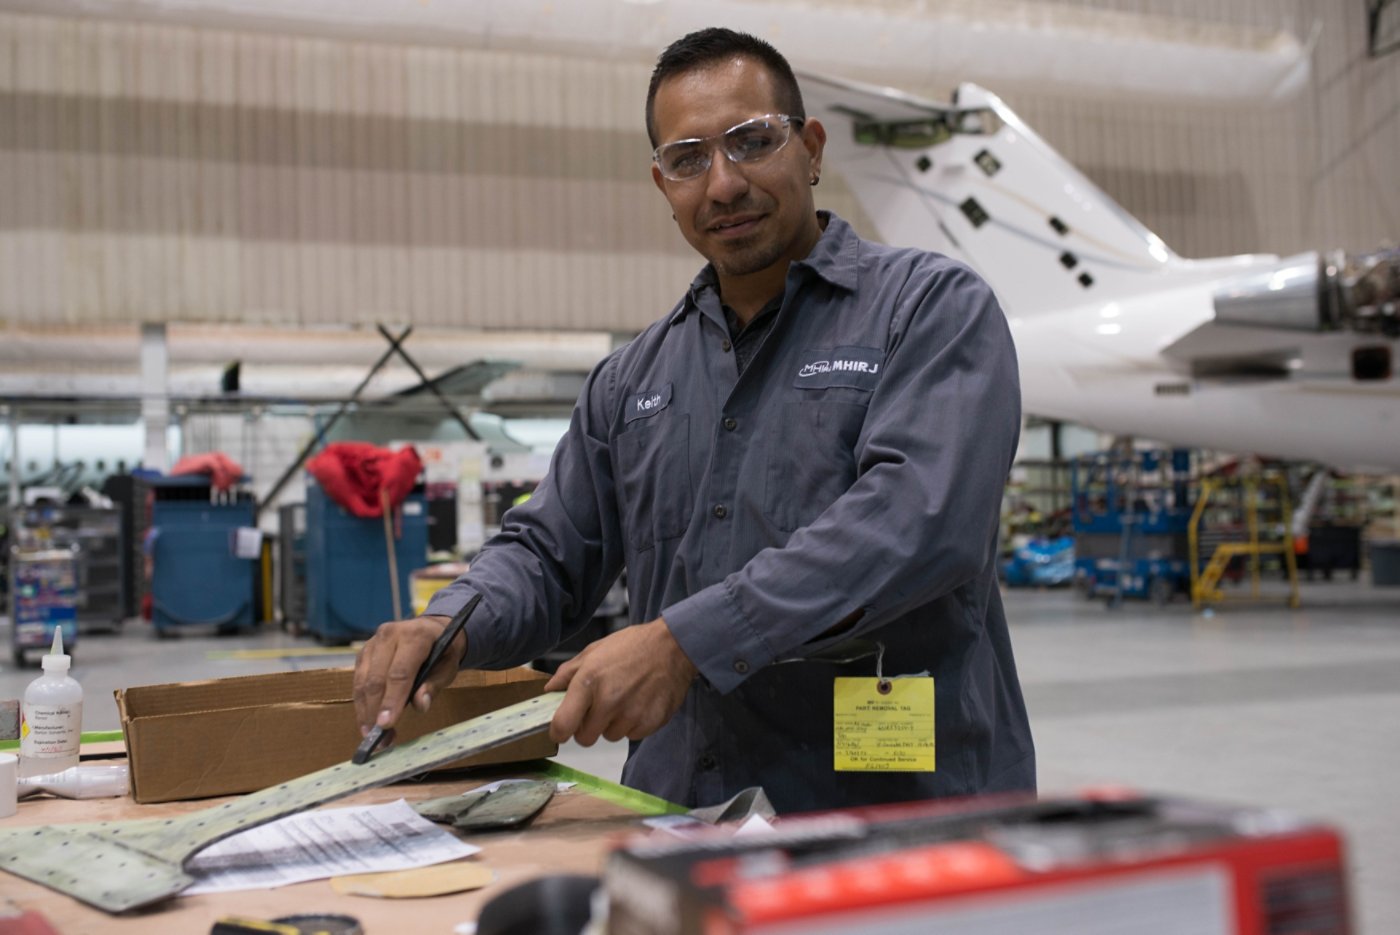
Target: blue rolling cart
348, 592
198, 577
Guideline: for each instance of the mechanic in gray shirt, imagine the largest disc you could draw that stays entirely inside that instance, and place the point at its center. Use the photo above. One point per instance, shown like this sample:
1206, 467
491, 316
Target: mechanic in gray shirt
810, 448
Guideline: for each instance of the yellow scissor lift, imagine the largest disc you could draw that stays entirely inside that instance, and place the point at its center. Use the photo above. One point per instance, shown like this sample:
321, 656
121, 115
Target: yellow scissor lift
1269, 534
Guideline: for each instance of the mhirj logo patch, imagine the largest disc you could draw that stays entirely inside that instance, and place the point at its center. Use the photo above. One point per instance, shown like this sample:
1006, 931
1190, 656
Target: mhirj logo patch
830, 366
841, 366
648, 403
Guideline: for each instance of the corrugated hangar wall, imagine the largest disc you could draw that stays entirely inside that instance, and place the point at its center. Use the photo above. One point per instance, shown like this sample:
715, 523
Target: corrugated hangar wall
1314, 172
169, 173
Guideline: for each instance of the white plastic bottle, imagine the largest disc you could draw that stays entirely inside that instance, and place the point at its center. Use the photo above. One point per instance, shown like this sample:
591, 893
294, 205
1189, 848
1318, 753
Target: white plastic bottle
94, 781
51, 716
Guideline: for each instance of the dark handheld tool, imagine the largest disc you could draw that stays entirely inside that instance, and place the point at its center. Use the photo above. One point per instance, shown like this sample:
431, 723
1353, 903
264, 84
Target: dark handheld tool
376, 734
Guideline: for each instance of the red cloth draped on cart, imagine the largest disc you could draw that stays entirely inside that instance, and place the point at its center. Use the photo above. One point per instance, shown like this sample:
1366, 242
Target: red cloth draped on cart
223, 471
354, 473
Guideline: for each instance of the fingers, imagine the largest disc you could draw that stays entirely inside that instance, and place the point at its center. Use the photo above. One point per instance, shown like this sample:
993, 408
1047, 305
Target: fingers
398, 680
441, 675
562, 676
601, 713
584, 714
627, 684
387, 665
572, 710
369, 682
619, 729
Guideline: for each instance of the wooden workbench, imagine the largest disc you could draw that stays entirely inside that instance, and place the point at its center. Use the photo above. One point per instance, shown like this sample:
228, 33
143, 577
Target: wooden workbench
571, 835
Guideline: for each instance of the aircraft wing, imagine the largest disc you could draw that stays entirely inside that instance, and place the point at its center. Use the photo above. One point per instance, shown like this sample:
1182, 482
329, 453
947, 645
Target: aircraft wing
466, 380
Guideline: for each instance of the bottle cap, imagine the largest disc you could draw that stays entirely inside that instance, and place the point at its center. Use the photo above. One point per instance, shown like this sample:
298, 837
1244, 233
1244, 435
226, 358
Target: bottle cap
56, 658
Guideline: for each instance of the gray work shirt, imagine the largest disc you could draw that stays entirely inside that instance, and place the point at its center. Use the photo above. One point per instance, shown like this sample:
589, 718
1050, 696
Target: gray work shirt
855, 467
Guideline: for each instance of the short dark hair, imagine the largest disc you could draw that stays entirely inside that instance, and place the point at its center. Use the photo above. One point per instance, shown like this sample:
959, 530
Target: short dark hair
716, 44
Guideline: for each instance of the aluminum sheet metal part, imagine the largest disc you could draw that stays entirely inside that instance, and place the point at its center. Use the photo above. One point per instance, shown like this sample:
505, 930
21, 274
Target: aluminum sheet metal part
116, 866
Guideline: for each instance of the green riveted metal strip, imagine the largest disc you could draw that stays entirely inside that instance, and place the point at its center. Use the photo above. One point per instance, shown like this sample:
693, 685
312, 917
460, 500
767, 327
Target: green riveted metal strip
117, 866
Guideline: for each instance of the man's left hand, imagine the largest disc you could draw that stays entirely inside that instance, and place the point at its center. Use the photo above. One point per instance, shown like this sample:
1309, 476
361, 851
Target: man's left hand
628, 684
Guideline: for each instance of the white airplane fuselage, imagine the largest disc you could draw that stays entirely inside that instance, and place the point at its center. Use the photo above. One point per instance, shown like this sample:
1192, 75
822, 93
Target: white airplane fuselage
1102, 365
1112, 329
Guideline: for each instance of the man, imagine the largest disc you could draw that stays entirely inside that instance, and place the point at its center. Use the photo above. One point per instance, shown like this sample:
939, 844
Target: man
809, 448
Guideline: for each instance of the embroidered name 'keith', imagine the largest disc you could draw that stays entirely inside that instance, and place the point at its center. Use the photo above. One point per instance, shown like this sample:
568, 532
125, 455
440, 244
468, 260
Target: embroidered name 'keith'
857, 367
647, 403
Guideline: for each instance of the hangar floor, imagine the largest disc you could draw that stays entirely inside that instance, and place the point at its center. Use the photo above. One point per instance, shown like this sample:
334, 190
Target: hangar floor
1298, 709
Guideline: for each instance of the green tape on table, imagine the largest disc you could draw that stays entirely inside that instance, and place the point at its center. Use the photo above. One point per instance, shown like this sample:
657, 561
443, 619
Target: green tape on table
97, 736
641, 802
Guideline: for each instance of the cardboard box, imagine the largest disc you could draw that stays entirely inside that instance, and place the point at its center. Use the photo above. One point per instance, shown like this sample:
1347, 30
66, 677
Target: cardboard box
222, 736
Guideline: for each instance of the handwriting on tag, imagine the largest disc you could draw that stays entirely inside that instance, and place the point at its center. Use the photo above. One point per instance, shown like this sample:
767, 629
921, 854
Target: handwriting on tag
884, 731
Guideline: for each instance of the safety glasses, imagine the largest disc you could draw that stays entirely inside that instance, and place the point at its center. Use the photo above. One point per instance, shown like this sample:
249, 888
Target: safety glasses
750, 141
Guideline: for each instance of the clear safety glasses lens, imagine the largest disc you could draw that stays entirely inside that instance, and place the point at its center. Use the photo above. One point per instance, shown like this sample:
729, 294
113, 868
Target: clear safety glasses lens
750, 141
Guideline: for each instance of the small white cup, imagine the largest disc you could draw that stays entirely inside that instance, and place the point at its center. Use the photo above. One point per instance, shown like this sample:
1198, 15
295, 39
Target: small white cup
9, 784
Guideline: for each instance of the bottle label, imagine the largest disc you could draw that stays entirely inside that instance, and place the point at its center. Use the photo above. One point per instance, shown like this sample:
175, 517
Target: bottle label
50, 731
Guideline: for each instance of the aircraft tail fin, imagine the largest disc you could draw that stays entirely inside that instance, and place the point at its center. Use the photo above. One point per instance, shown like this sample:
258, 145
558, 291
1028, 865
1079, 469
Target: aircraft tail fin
972, 181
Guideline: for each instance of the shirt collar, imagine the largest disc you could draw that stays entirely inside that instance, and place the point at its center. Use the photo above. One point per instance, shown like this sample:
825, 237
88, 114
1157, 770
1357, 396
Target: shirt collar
833, 258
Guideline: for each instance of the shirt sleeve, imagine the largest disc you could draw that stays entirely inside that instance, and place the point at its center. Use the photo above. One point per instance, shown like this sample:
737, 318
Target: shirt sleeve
921, 518
543, 575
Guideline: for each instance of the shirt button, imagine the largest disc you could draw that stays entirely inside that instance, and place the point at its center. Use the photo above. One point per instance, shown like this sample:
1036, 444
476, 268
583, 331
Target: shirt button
707, 763
741, 667
725, 345
730, 424
720, 512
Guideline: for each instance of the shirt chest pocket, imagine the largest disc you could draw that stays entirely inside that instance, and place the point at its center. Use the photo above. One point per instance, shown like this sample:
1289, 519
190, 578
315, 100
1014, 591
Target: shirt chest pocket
653, 465
812, 459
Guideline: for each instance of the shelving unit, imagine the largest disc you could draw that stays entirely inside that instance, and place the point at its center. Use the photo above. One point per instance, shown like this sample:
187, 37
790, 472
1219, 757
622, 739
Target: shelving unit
94, 535
1037, 500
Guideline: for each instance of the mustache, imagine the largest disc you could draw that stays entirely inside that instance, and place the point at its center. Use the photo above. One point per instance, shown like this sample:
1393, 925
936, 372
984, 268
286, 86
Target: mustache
746, 205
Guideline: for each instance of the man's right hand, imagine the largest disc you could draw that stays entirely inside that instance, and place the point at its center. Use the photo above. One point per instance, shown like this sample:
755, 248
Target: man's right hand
388, 663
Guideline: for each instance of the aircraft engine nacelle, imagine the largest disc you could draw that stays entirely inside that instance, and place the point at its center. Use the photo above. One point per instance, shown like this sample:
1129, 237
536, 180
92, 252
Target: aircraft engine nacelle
1311, 292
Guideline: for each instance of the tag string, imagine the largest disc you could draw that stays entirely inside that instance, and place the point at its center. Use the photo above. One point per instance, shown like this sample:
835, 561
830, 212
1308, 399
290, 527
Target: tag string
882, 683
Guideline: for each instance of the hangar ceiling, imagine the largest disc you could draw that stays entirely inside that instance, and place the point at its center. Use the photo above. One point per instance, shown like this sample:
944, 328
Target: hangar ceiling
900, 42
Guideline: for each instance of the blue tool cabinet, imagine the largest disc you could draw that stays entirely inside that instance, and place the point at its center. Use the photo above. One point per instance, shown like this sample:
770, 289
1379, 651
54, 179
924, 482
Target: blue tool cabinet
196, 578
348, 593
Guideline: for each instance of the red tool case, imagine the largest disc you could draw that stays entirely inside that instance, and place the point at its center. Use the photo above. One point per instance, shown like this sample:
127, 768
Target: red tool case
1091, 865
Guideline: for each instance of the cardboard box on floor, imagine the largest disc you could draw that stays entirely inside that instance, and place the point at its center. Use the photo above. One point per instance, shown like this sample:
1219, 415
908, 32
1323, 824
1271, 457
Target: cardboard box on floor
222, 736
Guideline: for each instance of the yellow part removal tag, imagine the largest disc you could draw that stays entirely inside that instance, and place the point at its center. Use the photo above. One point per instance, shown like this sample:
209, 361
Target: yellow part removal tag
884, 732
